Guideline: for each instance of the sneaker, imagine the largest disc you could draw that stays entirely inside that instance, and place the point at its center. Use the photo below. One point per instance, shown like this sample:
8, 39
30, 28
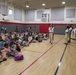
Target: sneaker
66, 43
0, 61
69, 41
4, 59
50, 42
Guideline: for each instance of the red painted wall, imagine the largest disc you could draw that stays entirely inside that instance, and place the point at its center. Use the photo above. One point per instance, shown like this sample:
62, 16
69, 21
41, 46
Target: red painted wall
43, 26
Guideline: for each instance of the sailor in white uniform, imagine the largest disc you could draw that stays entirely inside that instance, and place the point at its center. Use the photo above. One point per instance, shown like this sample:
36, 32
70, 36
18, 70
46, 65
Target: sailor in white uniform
75, 33
66, 35
69, 34
51, 33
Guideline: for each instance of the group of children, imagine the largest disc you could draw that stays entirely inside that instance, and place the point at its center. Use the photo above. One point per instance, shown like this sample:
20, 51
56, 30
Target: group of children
14, 41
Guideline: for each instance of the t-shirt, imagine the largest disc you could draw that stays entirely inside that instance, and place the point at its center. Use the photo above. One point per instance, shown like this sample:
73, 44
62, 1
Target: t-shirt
75, 31
70, 29
7, 49
51, 29
44, 35
66, 31
13, 47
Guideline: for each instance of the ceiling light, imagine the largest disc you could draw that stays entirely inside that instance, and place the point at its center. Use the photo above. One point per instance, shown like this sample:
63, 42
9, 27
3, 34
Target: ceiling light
43, 4
63, 2
27, 6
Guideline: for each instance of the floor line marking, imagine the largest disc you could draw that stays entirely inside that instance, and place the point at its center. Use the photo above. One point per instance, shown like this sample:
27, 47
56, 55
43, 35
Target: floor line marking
39, 57
60, 61
33, 51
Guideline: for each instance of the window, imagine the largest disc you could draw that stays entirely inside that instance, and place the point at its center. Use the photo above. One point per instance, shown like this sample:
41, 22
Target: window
10, 11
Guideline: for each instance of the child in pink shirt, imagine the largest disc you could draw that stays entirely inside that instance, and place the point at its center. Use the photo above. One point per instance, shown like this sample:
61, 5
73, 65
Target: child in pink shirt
8, 51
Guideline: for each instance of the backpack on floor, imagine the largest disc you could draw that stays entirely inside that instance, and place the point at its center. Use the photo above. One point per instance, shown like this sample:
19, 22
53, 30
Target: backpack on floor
18, 57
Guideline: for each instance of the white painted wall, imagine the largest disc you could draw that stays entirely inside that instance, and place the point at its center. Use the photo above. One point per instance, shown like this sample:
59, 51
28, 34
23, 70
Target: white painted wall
23, 15
69, 19
37, 19
48, 11
45, 11
66, 20
11, 17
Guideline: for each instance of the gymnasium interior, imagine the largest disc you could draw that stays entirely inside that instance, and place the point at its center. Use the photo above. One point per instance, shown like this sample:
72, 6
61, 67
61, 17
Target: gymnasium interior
23, 22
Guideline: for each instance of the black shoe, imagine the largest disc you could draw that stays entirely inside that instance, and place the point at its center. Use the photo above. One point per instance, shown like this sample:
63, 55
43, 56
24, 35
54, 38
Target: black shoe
4, 59
0, 61
66, 43
51, 43
69, 41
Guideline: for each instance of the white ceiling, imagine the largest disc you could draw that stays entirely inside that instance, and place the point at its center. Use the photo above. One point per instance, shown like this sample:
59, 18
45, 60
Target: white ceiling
36, 4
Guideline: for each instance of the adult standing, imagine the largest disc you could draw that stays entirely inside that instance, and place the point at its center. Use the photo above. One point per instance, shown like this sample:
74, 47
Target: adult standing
75, 32
69, 34
66, 35
51, 33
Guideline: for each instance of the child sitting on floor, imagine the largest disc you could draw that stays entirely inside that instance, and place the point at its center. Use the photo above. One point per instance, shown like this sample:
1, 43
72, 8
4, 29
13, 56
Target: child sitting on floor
1, 57
7, 40
1, 42
24, 43
44, 36
8, 50
12, 46
17, 47
39, 38
33, 39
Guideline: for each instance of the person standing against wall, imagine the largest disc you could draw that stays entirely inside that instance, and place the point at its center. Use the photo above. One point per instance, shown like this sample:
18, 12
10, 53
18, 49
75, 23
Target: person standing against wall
29, 31
16, 29
51, 33
29, 28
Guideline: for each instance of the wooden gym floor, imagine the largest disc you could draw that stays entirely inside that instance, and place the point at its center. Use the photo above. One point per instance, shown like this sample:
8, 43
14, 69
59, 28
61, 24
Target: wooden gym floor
43, 59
